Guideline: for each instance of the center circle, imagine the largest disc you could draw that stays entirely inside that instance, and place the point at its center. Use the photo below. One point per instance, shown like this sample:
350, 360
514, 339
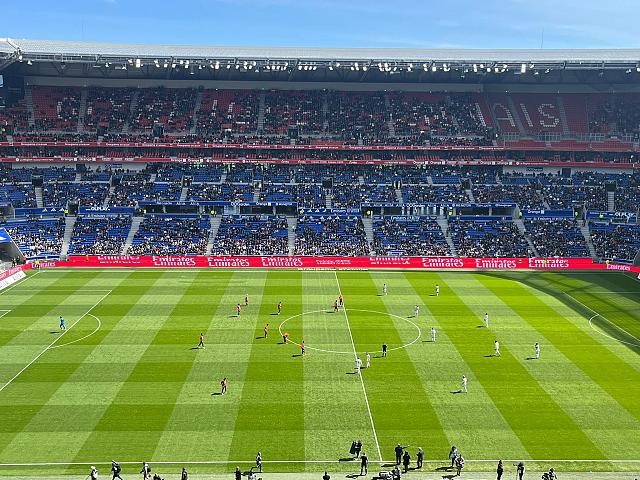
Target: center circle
350, 352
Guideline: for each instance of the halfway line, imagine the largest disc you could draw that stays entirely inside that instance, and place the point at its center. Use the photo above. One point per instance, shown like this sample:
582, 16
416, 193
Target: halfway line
355, 354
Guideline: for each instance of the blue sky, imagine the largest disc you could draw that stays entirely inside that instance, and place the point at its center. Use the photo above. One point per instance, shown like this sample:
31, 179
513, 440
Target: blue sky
332, 23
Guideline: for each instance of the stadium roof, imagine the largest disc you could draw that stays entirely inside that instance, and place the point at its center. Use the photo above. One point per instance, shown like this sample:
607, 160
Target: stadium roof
72, 49
369, 64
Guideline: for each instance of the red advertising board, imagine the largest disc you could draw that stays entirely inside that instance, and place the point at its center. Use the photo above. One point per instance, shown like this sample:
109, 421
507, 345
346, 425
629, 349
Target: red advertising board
429, 263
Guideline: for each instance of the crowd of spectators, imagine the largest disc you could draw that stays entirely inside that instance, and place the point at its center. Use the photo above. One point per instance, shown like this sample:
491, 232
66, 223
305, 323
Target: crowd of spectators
557, 237
99, 236
37, 237
331, 236
526, 196
58, 194
251, 235
488, 238
615, 242
409, 236
166, 235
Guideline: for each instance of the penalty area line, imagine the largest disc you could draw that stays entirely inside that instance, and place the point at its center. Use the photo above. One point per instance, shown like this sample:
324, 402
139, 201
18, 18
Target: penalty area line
52, 344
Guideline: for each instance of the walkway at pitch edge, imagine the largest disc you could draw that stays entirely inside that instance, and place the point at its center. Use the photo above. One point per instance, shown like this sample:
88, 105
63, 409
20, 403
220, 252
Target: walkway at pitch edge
339, 476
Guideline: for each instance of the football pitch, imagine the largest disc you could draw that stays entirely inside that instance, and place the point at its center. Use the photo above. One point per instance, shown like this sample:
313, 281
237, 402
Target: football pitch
126, 380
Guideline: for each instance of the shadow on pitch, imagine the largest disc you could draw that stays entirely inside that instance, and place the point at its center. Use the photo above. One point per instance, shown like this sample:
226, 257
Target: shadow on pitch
215, 394
455, 392
297, 355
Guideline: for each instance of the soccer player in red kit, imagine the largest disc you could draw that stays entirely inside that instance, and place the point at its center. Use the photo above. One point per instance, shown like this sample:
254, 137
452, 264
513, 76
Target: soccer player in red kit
279, 307
246, 299
238, 308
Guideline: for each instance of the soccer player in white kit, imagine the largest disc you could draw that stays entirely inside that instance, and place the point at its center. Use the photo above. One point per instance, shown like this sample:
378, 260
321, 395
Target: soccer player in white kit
416, 311
537, 350
464, 384
496, 345
437, 290
358, 363
433, 334
368, 360
384, 289
486, 320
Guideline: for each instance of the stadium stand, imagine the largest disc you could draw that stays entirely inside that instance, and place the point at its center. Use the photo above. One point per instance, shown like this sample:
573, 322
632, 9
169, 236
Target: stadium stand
252, 235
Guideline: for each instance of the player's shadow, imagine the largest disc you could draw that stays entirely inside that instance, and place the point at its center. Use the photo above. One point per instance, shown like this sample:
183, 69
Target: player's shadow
352, 475
215, 394
234, 316
489, 356
276, 314
350, 373
347, 459
531, 358
260, 337
297, 355
194, 348
54, 332
444, 469
455, 392
480, 326
389, 465
449, 476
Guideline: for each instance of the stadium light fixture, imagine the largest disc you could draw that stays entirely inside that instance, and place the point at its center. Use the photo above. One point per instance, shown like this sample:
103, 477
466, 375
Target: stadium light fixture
523, 68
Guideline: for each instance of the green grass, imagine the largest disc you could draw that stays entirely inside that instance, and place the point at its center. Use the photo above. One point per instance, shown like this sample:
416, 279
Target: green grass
125, 382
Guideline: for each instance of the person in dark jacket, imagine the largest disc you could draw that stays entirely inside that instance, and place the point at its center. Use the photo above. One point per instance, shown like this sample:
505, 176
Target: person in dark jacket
364, 464
326, 476
398, 451
520, 470
238, 474
500, 470
352, 450
406, 460
184, 475
358, 448
419, 457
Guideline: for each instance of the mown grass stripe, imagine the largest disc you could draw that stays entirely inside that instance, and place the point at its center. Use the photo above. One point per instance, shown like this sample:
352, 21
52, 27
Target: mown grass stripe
589, 355
197, 412
438, 365
402, 412
524, 404
271, 414
582, 399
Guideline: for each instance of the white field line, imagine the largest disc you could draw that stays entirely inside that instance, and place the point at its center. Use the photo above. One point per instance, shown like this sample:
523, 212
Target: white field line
3, 313
596, 314
240, 462
55, 341
86, 336
355, 356
20, 282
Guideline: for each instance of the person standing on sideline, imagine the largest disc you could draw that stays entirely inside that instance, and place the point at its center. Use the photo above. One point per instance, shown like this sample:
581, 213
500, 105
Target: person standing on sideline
62, 325
201, 343
326, 476
459, 465
486, 320
537, 347
398, 451
499, 470
406, 460
246, 299
433, 334
437, 290
302, 348
453, 454
184, 475
368, 360
146, 471
496, 346
266, 330
464, 384
279, 308
238, 309
116, 469
93, 475
520, 470
384, 349
238, 474
419, 457
223, 386
357, 448
259, 462
384, 289
364, 463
